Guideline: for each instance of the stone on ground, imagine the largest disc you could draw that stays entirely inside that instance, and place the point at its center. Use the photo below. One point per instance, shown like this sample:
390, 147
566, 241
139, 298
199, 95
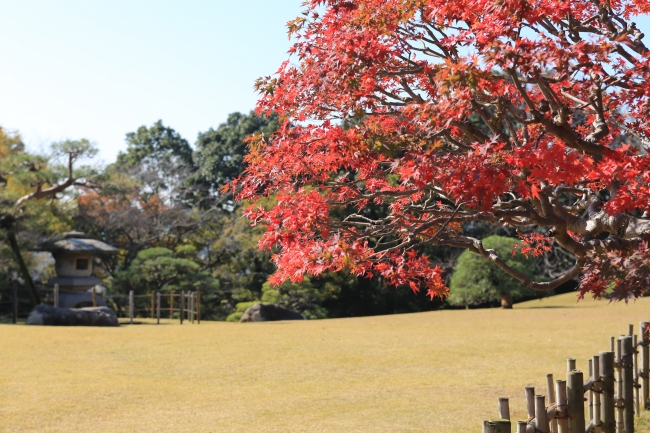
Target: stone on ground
269, 313
48, 315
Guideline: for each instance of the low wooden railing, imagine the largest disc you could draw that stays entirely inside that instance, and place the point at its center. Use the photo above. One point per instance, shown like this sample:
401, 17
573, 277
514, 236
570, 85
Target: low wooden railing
617, 389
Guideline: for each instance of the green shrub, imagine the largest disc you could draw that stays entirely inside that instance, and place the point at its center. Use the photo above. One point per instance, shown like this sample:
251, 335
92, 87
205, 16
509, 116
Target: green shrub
478, 281
240, 309
302, 297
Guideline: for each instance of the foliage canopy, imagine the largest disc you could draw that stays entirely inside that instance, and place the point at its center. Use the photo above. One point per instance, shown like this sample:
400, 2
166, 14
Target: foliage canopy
478, 281
528, 114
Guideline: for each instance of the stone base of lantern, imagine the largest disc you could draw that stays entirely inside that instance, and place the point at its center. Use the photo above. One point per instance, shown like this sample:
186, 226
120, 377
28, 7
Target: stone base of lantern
79, 300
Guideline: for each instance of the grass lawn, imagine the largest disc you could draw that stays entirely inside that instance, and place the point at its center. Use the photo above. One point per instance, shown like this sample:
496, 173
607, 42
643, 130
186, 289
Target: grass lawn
427, 372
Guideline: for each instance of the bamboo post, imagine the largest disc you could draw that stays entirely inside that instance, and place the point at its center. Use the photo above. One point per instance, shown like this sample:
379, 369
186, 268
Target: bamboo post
596, 390
645, 364
551, 399
607, 410
563, 419
190, 307
521, 426
198, 307
541, 417
489, 427
504, 408
158, 309
618, 397
131, 307
181, 304
14, 318
530, 401
502, 426
56, 295
635, 372
576, 401
193, 301
570, 364
628, 383
171, 305
153, 307
94, 295
590, 393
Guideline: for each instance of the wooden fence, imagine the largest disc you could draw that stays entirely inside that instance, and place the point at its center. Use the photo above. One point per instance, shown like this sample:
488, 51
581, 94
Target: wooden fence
189, 306
617, 389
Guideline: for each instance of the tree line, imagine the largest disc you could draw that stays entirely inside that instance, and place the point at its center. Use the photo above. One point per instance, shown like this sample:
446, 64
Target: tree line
165, 205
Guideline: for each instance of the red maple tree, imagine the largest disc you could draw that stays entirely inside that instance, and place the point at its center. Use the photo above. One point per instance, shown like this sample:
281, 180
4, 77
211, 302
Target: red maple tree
533, 114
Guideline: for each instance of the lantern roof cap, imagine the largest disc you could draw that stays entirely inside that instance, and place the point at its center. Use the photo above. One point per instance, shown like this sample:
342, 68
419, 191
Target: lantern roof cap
76, 242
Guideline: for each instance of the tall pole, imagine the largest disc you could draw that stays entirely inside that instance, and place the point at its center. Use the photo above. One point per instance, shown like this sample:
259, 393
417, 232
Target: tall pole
158, 311
198, 306
182, 305
628, 383
14, 287
131, 307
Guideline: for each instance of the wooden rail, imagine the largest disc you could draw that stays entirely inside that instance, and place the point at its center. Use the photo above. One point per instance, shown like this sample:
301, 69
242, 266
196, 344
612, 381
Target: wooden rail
617, 389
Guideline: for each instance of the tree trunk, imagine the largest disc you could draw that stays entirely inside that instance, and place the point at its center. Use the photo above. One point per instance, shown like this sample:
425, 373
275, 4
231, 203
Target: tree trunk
506, 300
33, 294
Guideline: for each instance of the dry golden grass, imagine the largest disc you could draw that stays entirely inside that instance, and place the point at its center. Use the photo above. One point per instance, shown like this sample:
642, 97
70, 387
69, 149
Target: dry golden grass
429, 372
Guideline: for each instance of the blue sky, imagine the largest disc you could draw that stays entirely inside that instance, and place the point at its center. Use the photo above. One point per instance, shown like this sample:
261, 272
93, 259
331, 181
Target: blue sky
98, 69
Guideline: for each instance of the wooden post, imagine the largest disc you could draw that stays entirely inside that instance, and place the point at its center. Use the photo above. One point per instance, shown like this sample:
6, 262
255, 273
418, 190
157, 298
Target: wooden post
570, 364
158, 309
171, 305
14, 287
530, 401
551, 399
618, 397
590, 393
198, 306
94, 295
521, 426
504, 408
541, 418
188, 307
563, 420
131, 307
635, 372
489, 427
612, 343
628, 383
56, 295
607, 410
645, 364
193, 303
576, 401
182, 305
153, 307
502, 426
596, 389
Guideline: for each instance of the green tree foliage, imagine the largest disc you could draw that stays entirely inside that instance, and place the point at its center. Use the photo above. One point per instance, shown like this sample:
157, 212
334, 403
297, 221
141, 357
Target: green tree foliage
303, 297
477, 281
156, 142
219, 156
30, 186
161, 269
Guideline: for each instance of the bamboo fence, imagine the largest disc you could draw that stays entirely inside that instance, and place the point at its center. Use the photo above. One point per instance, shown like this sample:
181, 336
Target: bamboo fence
165, 305
617, 389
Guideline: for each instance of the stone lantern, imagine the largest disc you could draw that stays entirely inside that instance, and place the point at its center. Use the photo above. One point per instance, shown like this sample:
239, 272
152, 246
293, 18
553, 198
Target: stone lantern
73, 256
